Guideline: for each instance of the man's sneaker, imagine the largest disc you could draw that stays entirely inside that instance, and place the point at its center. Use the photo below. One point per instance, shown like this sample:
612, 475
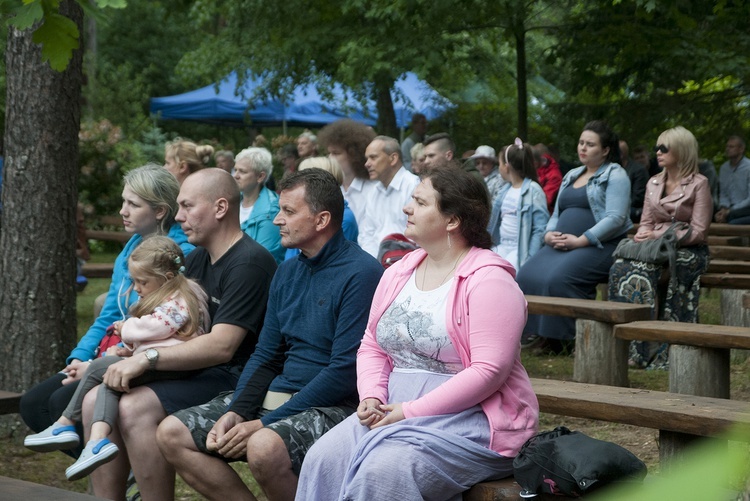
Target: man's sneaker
57, 437
95, 454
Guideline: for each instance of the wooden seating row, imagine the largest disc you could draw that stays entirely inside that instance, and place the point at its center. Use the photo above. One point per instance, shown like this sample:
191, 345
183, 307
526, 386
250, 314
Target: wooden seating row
13, 489
9, 402
680, 419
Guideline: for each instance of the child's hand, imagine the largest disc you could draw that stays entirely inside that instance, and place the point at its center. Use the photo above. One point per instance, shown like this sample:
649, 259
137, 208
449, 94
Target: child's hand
120, 351
75, 370
117, 326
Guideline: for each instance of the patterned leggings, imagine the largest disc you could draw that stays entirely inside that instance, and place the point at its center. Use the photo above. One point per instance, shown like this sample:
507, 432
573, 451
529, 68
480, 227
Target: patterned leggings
638, 282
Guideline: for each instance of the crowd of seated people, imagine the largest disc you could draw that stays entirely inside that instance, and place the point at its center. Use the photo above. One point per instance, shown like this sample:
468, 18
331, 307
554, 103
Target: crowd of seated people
317, 367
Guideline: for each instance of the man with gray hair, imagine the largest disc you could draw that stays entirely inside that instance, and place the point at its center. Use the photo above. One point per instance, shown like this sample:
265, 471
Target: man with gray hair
307, 145
384, 207
259, 205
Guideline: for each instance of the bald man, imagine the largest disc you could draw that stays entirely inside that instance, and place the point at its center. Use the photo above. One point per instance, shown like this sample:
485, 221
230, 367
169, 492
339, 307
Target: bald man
236, 273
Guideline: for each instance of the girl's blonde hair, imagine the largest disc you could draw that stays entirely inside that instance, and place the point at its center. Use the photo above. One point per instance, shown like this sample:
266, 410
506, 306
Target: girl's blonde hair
683, 145
157, 257
196, 157
327, 164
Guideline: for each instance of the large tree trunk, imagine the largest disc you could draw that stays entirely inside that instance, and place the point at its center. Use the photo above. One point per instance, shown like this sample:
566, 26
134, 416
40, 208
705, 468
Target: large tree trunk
37, 242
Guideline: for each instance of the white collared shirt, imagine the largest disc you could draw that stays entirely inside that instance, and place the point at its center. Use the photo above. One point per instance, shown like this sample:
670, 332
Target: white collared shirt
384, 210
356, 196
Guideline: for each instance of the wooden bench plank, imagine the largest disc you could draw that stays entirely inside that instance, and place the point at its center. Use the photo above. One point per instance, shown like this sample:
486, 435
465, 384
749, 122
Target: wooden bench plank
506, 489
702, 335
113, 236
702, 416
729, 266
601, 311
725, 281
11, 488
97, 270
9, 402
737, 230
723, 240
729, 252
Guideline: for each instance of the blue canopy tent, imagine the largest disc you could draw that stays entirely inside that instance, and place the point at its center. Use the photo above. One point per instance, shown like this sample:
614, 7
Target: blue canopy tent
224, 104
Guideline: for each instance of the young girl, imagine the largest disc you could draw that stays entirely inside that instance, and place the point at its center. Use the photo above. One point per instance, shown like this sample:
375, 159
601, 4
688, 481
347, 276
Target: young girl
171, 309
519, 214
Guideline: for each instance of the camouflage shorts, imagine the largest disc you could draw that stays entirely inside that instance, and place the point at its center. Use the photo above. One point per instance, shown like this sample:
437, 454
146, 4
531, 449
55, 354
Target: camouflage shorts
299, 432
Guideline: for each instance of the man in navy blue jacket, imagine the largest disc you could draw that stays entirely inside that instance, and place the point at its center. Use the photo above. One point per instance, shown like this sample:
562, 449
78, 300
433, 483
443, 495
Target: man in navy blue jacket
300, 381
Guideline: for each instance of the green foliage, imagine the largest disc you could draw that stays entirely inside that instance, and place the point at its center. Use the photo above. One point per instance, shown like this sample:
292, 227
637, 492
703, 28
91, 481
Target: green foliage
649, 66
104, 158
124, 105
57, 34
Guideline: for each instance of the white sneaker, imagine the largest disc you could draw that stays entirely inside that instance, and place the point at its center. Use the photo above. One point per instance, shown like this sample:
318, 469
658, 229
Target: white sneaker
95, 454
57, 437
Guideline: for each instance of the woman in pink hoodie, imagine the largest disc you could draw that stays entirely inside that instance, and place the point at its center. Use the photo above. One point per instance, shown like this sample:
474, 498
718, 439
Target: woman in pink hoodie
171, 310
445, 402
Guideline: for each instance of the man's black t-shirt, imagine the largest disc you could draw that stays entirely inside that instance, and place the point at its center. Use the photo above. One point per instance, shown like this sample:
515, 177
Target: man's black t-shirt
237, 287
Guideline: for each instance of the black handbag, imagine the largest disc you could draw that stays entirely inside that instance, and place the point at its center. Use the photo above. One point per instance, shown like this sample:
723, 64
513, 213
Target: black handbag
570, 463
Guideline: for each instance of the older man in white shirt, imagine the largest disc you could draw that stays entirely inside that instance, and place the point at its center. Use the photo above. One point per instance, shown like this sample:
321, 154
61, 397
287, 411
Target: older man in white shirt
383, 210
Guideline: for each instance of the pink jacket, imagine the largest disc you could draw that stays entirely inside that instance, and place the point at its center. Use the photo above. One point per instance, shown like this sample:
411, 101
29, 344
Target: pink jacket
485, 315
691, 203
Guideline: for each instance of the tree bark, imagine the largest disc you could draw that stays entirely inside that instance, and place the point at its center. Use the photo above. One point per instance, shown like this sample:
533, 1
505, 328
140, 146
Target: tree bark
386, 115
521, 76
37, 242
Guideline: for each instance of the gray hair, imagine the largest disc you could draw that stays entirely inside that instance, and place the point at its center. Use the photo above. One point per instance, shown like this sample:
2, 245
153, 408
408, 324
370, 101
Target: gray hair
260, 159
309, 135
390, 146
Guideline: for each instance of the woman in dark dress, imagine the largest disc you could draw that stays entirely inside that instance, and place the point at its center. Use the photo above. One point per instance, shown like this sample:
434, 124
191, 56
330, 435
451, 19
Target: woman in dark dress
591, 216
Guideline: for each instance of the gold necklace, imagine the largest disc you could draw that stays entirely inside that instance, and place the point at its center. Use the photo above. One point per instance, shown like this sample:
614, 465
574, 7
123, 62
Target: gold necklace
426, 263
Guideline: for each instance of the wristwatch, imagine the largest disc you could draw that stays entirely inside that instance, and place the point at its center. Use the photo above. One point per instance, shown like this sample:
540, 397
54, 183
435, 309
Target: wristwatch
152, 355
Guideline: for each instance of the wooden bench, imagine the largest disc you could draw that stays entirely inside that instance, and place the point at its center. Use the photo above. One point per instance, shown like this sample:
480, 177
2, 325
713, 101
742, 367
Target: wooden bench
110, 236
11, 488
729, 266
736, 230
680, 419
598, 352
98, 270
729, 252
9, 402
699, 355
506, 489
723, 240
725, 281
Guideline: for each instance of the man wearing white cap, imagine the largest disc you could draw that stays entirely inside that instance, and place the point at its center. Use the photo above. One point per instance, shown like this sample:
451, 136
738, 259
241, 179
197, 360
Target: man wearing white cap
485, 161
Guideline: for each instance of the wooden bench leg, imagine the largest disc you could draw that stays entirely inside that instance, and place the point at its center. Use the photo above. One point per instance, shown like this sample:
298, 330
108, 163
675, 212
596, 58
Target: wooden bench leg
672, 447
600, 358
699, 371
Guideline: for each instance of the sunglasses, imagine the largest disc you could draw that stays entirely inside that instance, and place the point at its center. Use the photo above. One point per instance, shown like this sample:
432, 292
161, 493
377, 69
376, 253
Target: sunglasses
662, 148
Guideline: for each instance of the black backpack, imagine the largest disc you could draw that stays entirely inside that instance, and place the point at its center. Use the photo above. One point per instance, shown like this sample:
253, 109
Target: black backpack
570, 463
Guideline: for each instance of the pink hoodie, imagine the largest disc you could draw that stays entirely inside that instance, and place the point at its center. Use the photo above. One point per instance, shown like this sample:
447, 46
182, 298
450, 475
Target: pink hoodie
485, 315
